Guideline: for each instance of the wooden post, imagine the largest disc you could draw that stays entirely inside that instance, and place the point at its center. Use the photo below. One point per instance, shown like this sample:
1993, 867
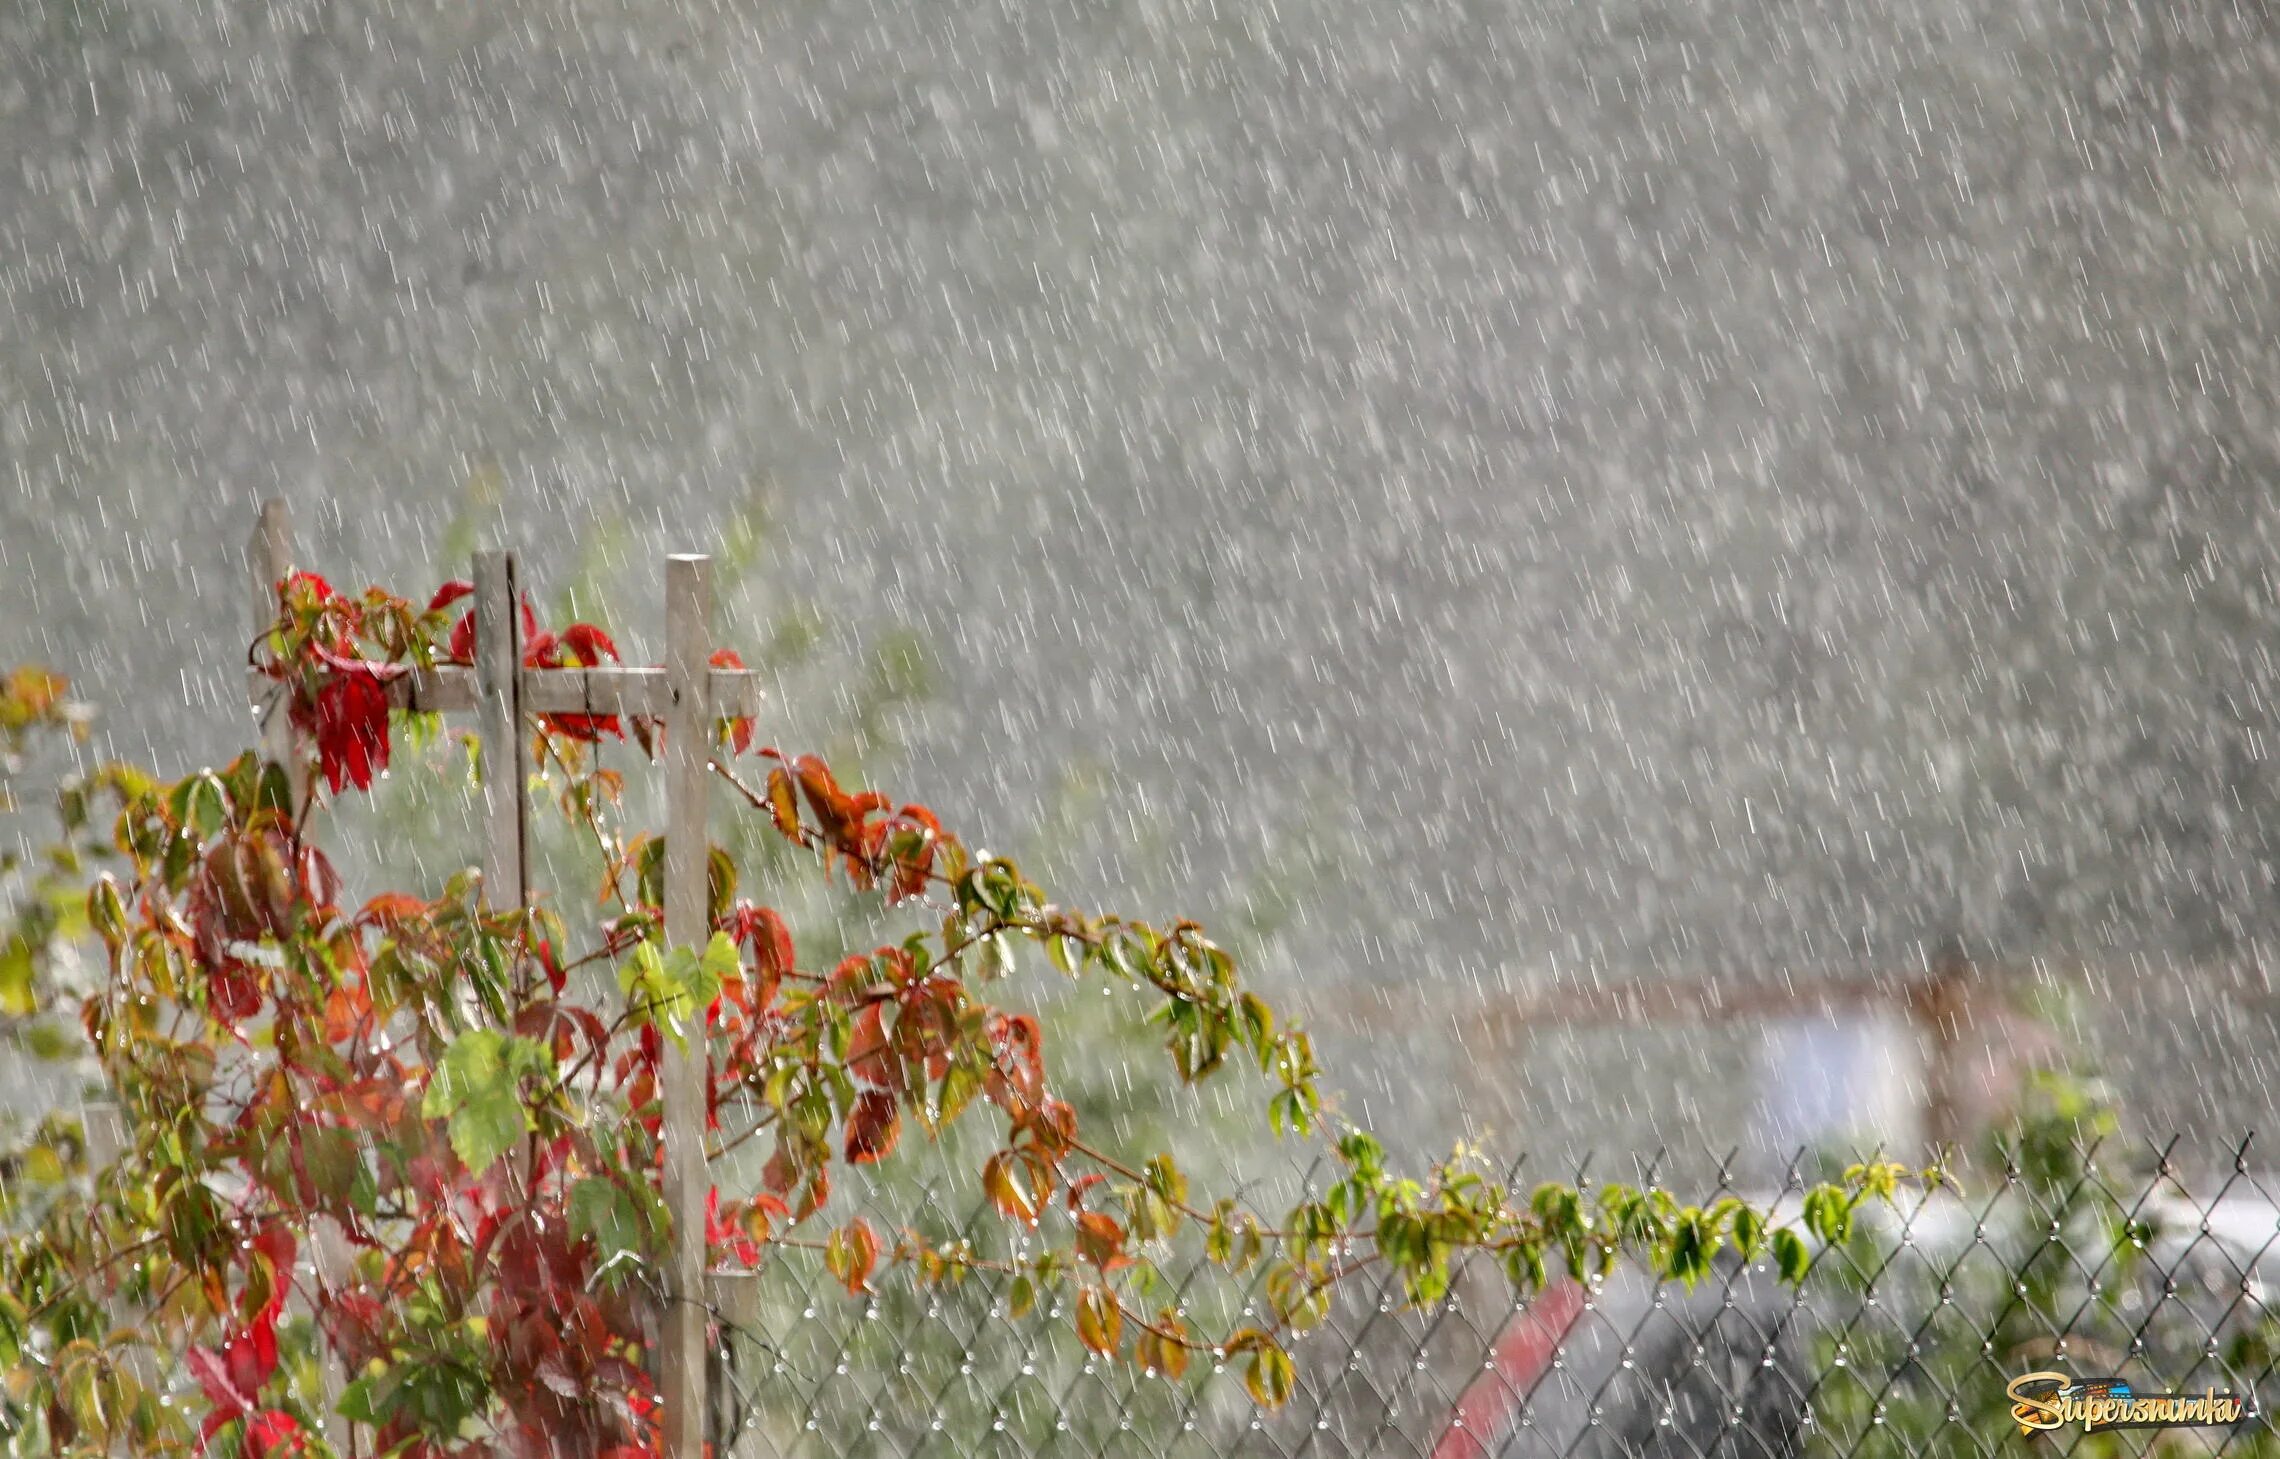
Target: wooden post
688, 790
505, 750
269, 557
1941, 1005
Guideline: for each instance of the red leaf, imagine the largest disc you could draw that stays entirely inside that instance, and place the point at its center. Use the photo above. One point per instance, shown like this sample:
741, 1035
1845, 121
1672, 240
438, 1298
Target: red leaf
449, 594
541, 650
817, 1193
353, 1321
462, 648
873, 1128
590, 644
273, 1434
351, 727
771, 941
556, 977
727, 1233
1019, 1072
251, 1356
868, 1056
233, 994
319, 882
214, 1380
1100, 1320
761, 1214
232, 1378
586, 727
345, 1009
277, 1245
309, 581
1018, 1183
581, 646
842, 815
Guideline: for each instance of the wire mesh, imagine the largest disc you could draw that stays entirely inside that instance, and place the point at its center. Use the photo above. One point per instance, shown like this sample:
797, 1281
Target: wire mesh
1901, 1341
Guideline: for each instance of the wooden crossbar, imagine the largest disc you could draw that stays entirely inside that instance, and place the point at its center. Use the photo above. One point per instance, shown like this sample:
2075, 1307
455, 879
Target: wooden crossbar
611, 689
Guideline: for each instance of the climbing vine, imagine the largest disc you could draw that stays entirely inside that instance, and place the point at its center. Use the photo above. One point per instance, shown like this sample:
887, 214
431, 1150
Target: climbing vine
417, 1139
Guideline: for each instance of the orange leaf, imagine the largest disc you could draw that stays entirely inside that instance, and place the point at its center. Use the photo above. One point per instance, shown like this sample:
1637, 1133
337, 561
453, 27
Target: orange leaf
390, 908
761, 1215
345, 1007
1101, 1241
1014, 1186
782, 803
1164, 1350
1080, 1187
1100, 1322
851, 1254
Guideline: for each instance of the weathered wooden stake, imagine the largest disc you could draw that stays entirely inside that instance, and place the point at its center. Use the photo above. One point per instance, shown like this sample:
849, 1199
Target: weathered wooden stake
268, 557
688, 790
505, 748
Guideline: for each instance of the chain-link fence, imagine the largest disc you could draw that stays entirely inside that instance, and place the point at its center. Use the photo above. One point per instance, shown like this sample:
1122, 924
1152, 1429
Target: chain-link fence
2101, 1262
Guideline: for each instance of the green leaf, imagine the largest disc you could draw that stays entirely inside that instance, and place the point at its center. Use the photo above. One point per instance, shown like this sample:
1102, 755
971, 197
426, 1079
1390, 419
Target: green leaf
1792, 1254
674, 988
1259, 1028
50, 1041
719, 960
1299, 1295
644, 968
1828, 1214
1524, 1267
1166, 1180
333, 1161
200, 805
601, 1209
366, 1401
655, 985
702, 973
1270, 1377
477, 1087
14, 1321
1749, 1231
16, 997
1691, 1243
997, 954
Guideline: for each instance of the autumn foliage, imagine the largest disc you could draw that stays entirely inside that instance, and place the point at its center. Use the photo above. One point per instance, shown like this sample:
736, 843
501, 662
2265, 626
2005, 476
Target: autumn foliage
434, 1123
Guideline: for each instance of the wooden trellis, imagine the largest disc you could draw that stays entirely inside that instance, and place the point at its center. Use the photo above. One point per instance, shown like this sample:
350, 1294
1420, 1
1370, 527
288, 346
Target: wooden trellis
691, 698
